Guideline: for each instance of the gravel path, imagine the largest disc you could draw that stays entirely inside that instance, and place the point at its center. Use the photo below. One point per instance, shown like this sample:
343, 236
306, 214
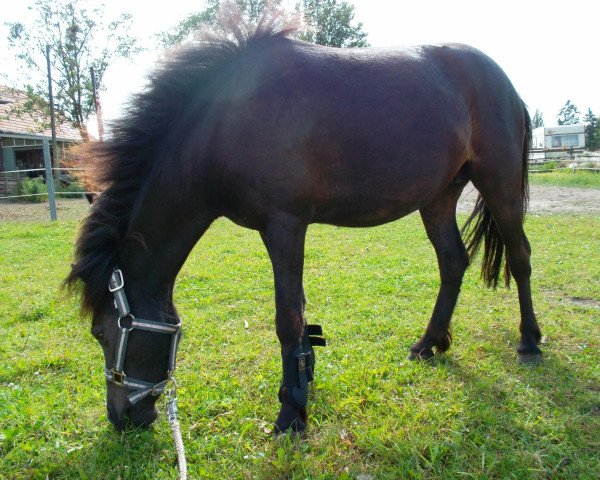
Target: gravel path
547, 199
66, 209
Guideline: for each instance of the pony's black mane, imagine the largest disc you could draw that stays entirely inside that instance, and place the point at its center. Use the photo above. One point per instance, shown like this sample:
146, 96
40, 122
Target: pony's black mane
126, 162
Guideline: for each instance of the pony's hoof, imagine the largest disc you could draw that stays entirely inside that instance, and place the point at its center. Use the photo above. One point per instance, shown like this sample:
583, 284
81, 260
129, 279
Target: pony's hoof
290, 419
296, 428
423, 354
529, 358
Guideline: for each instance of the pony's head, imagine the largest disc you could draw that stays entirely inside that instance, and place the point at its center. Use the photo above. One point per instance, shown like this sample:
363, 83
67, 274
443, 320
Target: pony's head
139, 350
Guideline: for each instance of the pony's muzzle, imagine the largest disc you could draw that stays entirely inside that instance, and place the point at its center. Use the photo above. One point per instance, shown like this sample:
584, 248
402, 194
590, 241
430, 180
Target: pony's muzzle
132, 416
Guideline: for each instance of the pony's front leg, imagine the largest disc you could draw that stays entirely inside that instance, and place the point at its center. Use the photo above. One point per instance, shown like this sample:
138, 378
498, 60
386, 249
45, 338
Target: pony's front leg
284, 237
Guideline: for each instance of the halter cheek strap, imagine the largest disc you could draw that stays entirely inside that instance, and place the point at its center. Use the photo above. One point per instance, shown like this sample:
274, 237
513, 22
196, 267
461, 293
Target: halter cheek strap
116, 375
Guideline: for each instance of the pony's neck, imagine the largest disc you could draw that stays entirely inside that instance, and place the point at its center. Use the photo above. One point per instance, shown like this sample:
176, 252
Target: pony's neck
160, 238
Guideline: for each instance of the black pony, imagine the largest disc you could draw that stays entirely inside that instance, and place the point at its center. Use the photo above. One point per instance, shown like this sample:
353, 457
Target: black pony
275, 134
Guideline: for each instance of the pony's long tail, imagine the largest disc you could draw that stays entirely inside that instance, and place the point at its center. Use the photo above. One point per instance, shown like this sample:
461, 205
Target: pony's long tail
481, 227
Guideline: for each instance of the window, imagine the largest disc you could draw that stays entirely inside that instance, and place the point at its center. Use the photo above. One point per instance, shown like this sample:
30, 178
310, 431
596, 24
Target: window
565, 141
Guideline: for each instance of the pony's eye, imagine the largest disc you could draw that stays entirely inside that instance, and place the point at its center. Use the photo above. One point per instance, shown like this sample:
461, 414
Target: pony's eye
98, 336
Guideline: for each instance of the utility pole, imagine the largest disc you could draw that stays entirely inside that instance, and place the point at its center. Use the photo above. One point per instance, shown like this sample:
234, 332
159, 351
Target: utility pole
49, 180
97, 106
52, 119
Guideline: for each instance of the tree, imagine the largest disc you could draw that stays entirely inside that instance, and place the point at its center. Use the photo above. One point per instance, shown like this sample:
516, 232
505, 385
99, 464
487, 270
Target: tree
568, 115
538, 119
331, 23
251, 9
592, 130
79, 40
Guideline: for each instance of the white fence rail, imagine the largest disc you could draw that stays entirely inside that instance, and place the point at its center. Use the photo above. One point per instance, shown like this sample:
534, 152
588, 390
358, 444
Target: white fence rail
587, 161
9, 187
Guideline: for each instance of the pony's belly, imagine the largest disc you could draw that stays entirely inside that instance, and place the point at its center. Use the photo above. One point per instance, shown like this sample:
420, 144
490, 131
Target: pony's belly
352, 215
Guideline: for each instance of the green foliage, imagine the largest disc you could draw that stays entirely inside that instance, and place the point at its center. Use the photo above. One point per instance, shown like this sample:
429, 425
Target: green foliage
538, 119
592, 130
548, 165
70, 190
251, 9
79, 39
332, 23
37, 187
470, 413
568, 115
34, 186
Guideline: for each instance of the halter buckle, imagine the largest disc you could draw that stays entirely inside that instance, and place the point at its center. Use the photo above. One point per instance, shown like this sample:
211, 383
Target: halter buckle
154, 393
116, 281
118, 378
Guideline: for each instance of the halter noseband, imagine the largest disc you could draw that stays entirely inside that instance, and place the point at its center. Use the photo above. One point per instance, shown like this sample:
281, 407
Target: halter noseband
116, 375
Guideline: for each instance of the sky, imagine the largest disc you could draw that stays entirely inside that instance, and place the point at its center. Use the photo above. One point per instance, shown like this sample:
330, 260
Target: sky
550, 49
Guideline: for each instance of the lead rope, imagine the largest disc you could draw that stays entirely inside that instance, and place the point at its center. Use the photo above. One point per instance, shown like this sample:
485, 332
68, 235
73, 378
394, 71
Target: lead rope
175, 428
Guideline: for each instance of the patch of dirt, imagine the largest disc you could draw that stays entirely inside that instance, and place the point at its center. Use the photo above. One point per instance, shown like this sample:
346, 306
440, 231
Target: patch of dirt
66, 209
546, 199
583, 302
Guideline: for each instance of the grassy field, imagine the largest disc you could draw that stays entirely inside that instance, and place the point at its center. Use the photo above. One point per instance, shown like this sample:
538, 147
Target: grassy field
473, 413
566, 178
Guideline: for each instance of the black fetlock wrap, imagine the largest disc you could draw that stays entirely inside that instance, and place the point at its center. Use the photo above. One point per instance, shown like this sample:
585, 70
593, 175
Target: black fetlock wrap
295, 377
298, 366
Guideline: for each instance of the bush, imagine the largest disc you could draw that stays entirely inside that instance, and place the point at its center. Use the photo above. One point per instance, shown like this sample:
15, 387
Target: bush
549, 165
36, 187
74, 189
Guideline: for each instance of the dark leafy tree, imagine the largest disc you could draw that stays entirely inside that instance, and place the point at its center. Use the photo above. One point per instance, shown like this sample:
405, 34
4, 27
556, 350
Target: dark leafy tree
538, 119
568, 115
331, 23
592, 130
79, 39
251, 9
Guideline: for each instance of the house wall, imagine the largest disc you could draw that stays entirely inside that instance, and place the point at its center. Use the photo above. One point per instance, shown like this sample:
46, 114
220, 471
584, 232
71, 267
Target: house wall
12, 143
537, 137
15, 150
8, 154
556, 142
564, 137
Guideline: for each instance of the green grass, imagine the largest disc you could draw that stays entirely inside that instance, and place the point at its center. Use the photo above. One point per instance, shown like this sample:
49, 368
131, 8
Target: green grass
472, 413
566, 178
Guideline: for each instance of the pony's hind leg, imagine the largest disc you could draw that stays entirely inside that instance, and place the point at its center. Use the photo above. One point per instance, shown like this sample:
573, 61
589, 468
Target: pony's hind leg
284, 238
503, 195
508, 216
439, 219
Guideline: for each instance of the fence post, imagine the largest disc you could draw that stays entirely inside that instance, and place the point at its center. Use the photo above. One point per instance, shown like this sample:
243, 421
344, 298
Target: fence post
49, 179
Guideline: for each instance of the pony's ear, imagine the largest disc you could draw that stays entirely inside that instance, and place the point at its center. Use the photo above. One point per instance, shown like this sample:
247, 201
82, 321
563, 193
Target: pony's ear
76, 284
72, 281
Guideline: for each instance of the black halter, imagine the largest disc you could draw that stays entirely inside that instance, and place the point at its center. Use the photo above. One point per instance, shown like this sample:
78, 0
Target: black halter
127, 322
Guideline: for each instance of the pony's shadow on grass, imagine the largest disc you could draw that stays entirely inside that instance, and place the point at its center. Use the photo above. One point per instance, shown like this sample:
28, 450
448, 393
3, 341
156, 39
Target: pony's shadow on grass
134, 453
528, 403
